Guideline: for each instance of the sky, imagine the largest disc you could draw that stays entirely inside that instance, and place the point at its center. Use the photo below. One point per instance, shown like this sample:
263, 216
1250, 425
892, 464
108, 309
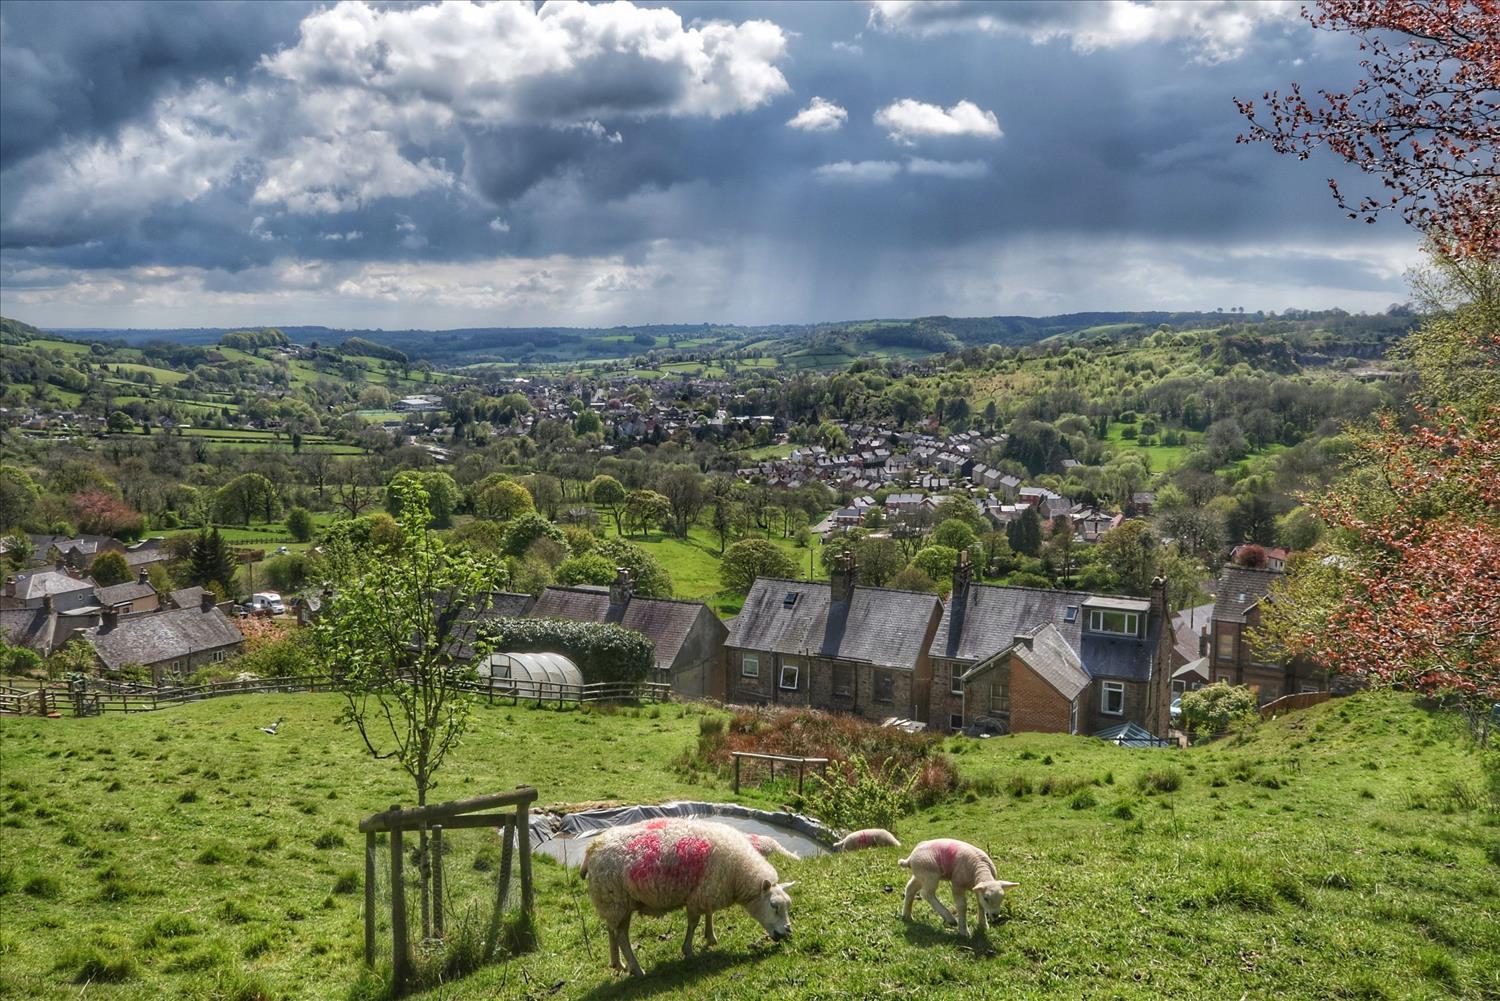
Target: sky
355, 165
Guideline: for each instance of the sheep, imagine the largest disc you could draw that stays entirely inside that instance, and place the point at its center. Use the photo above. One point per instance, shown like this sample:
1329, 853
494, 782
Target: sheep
660, 866
870, 837
769, 847
967, 868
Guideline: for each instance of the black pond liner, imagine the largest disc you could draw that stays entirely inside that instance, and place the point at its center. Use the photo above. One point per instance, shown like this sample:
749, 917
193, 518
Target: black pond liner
566, 838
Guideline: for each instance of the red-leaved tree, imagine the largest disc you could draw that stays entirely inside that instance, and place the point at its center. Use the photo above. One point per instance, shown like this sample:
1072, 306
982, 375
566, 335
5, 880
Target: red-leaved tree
99, 513
1424, 120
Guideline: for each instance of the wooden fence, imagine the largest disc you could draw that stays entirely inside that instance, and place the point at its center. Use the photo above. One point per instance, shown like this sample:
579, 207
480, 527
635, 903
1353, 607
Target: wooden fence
93, 696
510, 812
787, 759
1289, 702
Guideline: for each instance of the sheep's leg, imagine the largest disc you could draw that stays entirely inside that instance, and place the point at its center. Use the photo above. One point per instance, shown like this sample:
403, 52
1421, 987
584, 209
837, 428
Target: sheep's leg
687, 942
709, 938
623, 935
911, 896
614, 950
980, 918
961, 905
929, 894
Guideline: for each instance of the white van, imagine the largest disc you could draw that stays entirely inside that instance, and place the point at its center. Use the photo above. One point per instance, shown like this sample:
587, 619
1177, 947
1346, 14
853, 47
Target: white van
267, 603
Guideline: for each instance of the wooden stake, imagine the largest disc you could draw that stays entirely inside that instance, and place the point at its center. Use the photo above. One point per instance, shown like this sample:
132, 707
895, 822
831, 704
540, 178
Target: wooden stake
402, 959
370, 852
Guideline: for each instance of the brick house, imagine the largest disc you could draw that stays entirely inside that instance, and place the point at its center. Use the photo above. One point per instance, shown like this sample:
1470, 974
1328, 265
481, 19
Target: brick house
836, 646
1237, 610
996, 654
688, 636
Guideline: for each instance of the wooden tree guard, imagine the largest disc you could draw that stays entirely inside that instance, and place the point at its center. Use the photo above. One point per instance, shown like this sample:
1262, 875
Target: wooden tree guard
436, 818
801, 764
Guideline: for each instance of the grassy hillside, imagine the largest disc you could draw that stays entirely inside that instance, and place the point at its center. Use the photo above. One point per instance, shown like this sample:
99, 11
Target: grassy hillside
1340, 852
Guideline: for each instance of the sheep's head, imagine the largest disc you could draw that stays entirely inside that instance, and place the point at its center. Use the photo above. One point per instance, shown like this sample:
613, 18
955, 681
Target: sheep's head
772, 907
991, 895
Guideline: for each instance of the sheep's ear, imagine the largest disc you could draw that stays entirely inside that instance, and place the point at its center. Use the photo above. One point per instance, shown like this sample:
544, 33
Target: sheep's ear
786, 886
767, 886
1008, 886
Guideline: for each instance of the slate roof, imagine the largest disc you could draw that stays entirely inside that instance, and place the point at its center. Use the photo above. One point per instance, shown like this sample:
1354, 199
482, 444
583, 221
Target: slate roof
877, 625
28, 627
503, 605
1186, 627
1050, 656
137, 558
990, 617
186, 597
667, 622
1241, 589
161, 636
35, 585
118, 594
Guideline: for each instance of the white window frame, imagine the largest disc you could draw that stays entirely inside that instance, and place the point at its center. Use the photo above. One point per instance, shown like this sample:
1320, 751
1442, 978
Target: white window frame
1073, 717
1107, 688
955, 682
1308, 688
1179, 685
1096, 622
749, 667
218, 656
796, 677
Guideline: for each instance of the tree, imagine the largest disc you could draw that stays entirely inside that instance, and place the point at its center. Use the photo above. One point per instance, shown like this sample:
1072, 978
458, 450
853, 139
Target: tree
1215, 708
357, 487
877, 561
913, 579
1199, 530
246, 497
607, 492
1422, 121
937, 562
1060, 547
963, 509
721, 493
384, 637
211, 561
1250, 555
496, 498
546, 492
16, 550
587, 422
645, 508
1129, 551
1025, 533
744, 561
299, 522
954, 534
442, 494
19, 496
109, 567
526, 530
683, 489
588, 568
650, 577
99, 513
120, 422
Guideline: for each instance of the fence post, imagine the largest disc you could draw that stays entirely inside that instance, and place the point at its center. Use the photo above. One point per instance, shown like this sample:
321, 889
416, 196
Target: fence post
401, 958
437, 879
523, 854
370, 851
737, 760
800, 766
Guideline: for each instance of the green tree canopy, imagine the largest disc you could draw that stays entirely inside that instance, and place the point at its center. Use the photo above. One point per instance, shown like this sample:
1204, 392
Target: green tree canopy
651, 578
442, 493
109, 568
299, 522
744, 561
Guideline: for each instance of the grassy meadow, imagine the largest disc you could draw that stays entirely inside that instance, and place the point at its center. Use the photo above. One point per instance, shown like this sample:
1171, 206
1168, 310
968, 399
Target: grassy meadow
1347, 851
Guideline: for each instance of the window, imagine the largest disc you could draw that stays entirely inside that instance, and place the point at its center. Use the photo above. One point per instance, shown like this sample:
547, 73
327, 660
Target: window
790, 599
1104, 620
955, 680
1179, 686
885, 686
1113, 703
1071, 614
956, 721
999, 697
218, 656
1310, 686
789, 674
843, 680
1224, 645
1073, 716
749, 667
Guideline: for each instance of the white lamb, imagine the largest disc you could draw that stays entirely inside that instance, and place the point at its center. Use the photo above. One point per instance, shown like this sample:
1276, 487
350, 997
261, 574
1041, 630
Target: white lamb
967, 868
870, 837
769, 847
659, 866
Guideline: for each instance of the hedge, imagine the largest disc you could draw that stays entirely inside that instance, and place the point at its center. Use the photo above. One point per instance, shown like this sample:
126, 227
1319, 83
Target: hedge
603, 651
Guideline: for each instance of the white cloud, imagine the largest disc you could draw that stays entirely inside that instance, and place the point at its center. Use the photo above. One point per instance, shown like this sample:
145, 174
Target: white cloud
499, 225
858, 171
318, 175
908, 119
819, 116
1217, 29
957, 169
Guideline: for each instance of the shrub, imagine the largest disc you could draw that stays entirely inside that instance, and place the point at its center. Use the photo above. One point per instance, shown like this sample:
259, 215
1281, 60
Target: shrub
299, 522
604, 652
1160, 780
1215, 708
862, 796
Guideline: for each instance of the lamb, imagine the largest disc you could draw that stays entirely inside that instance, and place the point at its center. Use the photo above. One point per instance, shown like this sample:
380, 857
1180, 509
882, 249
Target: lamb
659, 866
870, 837
769, 847
967, 868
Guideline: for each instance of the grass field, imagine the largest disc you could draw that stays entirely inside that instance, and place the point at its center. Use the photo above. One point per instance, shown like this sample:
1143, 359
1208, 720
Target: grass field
1163, 458
1340, 852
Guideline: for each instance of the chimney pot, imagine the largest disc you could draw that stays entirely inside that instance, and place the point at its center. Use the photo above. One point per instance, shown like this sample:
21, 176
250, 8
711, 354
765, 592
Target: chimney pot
143, 577
208, 601
841, 580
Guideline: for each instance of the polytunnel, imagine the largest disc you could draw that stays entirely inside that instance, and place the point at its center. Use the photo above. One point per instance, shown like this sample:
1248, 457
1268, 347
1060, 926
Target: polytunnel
540, 676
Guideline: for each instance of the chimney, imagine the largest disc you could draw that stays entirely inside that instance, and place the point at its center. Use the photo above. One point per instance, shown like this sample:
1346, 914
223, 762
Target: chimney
108, 619
47, 603
963, 575
62, 566
1159, 598
1023, 639
841, 580
622, 587
1203, 642
10, 587
143, 578
207, 602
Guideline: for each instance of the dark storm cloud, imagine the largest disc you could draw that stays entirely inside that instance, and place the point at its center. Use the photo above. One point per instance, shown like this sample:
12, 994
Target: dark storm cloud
126, 144
79, 69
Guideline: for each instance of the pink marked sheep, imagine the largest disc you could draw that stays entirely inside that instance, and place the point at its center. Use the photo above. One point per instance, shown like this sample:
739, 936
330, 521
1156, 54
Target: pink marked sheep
870, 837
769, 847
694, 865
968, 868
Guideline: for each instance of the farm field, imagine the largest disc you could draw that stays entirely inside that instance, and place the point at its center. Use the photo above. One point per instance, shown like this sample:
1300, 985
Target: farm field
1343, 851
1162, 458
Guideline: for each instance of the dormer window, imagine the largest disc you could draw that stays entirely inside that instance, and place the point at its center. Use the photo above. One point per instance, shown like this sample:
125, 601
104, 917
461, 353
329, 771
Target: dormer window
1114, 623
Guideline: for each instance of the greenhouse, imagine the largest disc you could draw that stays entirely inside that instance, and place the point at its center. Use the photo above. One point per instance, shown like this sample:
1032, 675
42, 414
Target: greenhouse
540, 676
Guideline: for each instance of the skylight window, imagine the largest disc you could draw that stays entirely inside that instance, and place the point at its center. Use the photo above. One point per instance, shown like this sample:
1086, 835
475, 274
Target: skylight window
790, 599
1071, 615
